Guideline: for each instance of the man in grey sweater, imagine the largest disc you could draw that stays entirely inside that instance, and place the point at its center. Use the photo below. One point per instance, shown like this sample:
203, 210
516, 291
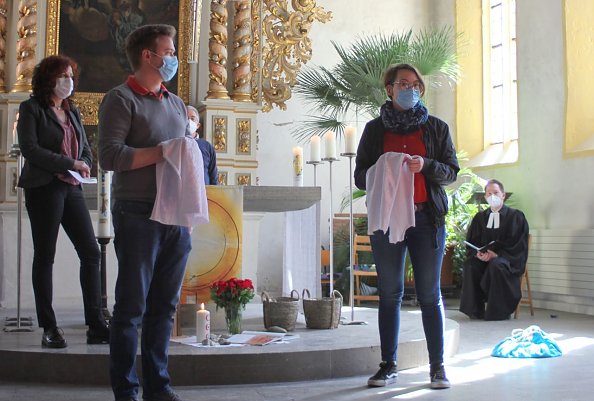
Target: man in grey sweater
134, 118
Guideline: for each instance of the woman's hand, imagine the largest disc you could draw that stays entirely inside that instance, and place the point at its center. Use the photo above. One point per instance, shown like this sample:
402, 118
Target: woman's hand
415, 164
82, 168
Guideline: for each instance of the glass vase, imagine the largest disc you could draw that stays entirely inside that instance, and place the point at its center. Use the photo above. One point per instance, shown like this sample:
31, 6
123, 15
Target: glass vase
233, 319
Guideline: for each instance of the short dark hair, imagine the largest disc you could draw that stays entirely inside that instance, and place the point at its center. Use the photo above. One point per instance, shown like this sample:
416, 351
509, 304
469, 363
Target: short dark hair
45, 75
494, 181
145, 37
392, 72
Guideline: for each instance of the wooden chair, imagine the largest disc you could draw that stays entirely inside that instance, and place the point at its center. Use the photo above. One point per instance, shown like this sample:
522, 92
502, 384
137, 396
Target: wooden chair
525, 283
361, 243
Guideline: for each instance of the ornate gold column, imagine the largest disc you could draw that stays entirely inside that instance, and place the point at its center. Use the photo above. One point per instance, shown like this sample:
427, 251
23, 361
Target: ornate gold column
3, 25
26, 44
242, 50
217, 51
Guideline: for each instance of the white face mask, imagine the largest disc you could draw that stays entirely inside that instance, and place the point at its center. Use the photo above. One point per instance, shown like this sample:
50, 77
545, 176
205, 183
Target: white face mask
494, 201
64, 87
193, 126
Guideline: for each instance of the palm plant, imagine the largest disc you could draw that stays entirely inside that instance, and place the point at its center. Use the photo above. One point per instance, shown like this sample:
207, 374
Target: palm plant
355, 84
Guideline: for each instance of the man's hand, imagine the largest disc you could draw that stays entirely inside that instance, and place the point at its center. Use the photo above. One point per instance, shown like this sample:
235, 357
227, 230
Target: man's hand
486, 256
415, 164
82, 168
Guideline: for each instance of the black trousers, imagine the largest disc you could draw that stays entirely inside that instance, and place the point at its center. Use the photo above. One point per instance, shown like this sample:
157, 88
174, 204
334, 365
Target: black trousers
491, 283
49, 206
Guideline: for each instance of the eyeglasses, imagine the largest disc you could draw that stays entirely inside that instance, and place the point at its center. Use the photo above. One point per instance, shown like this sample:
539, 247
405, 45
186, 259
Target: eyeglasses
405, 85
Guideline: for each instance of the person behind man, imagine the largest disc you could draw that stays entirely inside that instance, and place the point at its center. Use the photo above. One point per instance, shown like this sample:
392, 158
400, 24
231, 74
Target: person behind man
209, 156
134, 118
493, 276
404, 127
52, 139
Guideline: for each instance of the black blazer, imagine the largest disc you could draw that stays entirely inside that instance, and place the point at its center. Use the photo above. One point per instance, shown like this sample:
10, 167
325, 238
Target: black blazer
40, 139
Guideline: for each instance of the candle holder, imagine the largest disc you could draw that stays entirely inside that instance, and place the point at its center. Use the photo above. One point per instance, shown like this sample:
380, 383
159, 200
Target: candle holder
18, 324
351, 236
315, 164
103, 242
331, 160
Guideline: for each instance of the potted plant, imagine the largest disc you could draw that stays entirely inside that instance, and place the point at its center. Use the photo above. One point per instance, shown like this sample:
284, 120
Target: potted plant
356, 82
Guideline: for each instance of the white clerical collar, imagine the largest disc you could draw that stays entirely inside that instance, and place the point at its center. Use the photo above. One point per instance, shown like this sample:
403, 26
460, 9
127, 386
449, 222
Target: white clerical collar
493, 220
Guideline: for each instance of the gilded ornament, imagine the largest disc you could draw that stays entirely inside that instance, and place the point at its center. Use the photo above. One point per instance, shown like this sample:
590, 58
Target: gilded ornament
3, 26
220, 133
287, 46
244, 135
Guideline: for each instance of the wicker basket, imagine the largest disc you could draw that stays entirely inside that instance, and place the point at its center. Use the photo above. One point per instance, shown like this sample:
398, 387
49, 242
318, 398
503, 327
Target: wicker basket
281, 311
322, 313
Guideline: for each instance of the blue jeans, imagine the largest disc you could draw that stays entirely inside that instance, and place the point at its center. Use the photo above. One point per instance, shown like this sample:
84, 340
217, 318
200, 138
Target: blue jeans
425, 243
151, 264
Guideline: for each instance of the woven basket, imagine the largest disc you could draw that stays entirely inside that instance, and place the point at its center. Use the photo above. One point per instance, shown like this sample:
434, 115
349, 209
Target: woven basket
322, 313
281, 311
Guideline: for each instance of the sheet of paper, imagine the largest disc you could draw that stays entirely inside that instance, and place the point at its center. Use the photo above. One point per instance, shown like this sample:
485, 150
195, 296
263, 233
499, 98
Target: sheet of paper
81, 179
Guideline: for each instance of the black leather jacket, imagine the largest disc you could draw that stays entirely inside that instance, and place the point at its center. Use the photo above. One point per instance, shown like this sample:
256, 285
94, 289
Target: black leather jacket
440, 164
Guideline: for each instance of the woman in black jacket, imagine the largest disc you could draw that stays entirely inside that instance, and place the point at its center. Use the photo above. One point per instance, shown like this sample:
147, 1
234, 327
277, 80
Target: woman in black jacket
404, 126
52, 140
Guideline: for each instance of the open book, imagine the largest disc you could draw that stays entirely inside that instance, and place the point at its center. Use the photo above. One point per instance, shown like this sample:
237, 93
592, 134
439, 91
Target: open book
81, 179
256, 337
491, 246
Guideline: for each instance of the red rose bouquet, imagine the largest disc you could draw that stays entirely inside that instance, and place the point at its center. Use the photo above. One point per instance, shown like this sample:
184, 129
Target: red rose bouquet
233, 292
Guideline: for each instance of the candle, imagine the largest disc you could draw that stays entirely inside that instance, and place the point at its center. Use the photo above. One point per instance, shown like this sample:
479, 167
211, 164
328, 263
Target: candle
350, 136
202, 324
104, 201
330, 142
14, 129
314, 149
298, 166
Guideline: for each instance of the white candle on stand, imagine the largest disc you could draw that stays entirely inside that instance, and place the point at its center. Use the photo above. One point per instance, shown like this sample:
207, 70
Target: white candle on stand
298, 166
314, 150
202, 324
350, 137
104, 203
330, 145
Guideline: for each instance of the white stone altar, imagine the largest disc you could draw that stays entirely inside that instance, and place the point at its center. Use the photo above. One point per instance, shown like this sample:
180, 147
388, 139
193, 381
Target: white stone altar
300, 242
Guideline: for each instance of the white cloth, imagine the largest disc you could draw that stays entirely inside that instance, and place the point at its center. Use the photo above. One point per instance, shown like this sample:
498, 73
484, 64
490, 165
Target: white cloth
390, 196
493, 221
181, 192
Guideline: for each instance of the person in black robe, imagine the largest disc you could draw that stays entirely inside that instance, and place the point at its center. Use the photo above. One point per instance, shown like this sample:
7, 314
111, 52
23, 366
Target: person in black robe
493, 276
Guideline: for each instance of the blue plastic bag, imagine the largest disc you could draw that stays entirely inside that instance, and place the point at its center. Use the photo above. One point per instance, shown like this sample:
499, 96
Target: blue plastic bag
529, 343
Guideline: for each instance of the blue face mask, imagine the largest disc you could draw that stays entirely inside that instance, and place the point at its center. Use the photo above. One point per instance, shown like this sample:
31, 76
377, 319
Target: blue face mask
169, 67
407, 99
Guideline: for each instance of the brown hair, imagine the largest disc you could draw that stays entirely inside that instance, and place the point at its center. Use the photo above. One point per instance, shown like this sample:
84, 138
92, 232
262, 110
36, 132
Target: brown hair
45, 75
145, 37
392, 72
496, 182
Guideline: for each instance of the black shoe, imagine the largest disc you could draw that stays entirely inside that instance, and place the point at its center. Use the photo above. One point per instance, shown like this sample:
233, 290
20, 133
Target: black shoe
163, 396
98, 335
438, 378
52, 338
387, 374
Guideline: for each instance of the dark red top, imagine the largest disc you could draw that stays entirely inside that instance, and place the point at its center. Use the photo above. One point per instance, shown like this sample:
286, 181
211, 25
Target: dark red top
412, 144
141, 90
69, 148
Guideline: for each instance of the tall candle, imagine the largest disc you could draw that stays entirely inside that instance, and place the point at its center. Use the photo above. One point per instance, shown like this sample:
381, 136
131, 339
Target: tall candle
104, 203
202, 324
298, 166
14, 129
350, 137
330, 145
314, 149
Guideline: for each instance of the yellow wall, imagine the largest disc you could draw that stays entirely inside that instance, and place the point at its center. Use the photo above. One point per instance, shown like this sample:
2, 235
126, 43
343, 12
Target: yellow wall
579, 51
469, 91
